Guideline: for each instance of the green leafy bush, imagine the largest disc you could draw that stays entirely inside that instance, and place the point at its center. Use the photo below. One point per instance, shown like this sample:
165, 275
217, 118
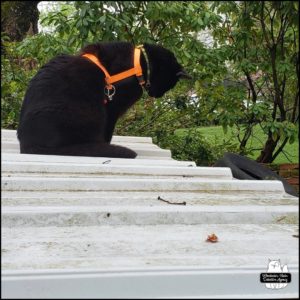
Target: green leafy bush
194, 146
16, 73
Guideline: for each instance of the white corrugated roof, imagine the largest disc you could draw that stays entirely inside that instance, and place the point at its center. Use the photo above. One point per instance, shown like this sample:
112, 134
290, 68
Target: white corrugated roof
88, 227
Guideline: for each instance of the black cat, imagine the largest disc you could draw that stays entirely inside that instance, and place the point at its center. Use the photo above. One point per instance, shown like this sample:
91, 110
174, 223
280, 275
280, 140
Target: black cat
65, 110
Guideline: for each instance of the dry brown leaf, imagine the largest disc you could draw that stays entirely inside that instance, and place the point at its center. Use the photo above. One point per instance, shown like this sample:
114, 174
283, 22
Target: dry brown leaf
212, 238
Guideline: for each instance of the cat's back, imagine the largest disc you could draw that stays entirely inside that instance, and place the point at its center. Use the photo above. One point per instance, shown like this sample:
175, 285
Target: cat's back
62, 98
64, 80
53, 71
48, 82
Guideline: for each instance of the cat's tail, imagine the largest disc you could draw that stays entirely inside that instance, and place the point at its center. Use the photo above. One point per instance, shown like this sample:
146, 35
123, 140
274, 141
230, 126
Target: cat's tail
89, 149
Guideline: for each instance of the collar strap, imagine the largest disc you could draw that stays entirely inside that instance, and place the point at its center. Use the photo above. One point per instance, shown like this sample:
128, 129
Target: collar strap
148, 64
136, 70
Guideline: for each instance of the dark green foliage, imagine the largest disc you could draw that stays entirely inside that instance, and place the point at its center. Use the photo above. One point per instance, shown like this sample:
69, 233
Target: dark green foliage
19, 18
194, 146
16, 73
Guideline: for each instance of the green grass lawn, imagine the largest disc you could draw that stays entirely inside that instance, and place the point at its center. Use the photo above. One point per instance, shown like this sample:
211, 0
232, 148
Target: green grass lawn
256, 141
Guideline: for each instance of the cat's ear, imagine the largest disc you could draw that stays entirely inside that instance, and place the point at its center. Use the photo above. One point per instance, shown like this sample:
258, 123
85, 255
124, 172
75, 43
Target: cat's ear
183, 74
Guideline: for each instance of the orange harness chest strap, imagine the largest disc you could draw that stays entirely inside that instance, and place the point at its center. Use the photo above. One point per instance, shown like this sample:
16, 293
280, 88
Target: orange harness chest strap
136, 70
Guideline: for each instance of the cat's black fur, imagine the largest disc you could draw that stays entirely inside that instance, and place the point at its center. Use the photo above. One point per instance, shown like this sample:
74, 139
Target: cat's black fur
63, 112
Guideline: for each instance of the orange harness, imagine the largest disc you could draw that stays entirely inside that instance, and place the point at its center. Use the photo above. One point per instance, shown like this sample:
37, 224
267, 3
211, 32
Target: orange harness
136, 70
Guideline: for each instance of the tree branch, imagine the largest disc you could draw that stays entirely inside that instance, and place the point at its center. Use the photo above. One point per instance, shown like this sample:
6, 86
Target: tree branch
295, 106
280, 148
251, 85
263, 25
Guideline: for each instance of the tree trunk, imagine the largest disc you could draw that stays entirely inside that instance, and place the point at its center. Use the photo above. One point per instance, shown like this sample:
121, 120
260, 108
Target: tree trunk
266, 155
19, 18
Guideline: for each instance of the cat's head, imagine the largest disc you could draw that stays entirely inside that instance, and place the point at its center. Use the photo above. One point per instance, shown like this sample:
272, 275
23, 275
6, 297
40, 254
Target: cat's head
274, 265
165, 71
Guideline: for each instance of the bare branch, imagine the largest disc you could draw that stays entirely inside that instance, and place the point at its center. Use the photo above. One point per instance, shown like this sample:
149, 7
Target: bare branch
263, 24
251, 85
295, 106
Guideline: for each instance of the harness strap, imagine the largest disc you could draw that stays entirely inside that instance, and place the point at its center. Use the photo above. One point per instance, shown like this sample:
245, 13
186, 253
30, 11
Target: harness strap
95, 60
136, 70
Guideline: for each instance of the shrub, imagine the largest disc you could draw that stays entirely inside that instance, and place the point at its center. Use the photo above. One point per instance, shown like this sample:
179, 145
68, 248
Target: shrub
193, 146
16, 73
